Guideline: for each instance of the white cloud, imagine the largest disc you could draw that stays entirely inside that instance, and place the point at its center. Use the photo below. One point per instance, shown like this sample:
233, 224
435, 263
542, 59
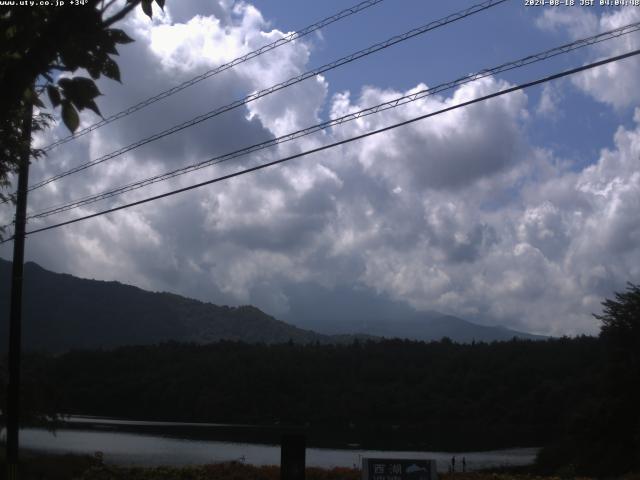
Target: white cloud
615, 83
550, 98
544, 228
579, 22
449, 150
457, 213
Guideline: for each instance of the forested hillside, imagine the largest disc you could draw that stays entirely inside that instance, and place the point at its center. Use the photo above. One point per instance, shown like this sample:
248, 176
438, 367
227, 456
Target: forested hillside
412, 394
62, 312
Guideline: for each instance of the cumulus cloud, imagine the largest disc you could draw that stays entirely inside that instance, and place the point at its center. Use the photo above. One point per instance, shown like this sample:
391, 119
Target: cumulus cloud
457, 213
616, 83
579, 22
548, 106
450, 150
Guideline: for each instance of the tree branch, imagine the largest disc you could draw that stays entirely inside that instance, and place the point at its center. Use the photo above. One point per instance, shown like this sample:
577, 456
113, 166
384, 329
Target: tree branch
106, 7
121, 14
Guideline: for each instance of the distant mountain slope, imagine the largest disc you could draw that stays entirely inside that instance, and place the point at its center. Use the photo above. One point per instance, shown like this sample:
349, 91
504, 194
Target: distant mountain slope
434, 326
349, 310
63, 312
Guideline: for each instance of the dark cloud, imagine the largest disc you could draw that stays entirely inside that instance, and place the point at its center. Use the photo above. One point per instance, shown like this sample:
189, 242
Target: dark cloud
458, 213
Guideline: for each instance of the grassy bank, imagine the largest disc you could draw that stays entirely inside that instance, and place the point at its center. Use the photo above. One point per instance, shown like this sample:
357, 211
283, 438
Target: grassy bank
237, 471
220, 471
77, 467
35, 466
40, 466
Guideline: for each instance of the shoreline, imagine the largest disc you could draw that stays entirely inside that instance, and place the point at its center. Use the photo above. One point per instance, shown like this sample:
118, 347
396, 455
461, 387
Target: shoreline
143, 450
85, 467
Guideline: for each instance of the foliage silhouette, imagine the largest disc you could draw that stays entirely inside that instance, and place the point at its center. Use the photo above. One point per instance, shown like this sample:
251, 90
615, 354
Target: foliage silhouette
602, 437
389, 394
41, 48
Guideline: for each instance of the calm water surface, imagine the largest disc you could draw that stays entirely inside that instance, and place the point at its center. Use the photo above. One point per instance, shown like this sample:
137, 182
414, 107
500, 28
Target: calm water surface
127, 448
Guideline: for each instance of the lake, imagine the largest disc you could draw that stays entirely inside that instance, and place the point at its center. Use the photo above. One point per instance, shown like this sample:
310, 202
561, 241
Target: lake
86, 435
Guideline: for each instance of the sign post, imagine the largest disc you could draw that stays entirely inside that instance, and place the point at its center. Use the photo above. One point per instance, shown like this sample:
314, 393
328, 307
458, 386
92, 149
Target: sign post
292, 457
398, 469
15, 319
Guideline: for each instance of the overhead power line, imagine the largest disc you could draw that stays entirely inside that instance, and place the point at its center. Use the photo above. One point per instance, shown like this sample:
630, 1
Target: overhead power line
342, 142
347, 12
402, 100
287, 83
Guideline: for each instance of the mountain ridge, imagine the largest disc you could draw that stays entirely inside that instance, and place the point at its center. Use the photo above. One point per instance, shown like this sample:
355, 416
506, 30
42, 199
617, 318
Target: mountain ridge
63, 312
429, 326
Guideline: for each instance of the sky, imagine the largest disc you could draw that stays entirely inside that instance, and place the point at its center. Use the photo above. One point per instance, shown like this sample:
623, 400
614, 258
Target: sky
520, 211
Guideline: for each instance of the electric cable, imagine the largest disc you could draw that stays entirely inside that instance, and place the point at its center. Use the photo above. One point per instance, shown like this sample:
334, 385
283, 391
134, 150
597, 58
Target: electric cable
287, 83
403, 100
341, 142
347, 12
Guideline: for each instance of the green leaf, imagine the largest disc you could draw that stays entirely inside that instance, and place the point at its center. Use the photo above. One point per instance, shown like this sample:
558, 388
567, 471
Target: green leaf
109, 46
70, 116
71, 57
37, 102
146, 8
54, 95
86, 87
94, 71
79, 90
119, 36
111, 70
10, 32
91, 105
64, 82
31, 96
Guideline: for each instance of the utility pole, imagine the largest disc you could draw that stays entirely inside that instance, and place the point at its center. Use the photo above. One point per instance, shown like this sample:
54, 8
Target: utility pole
15, 322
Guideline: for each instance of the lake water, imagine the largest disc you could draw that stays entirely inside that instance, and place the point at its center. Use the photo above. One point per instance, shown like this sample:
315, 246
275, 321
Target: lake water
132, 448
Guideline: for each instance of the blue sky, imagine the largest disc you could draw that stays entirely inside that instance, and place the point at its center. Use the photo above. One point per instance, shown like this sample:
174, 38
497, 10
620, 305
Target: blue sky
518, 211
506, 32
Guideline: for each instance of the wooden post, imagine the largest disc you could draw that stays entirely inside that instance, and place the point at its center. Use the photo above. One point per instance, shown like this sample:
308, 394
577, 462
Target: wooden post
15, 321
292, 457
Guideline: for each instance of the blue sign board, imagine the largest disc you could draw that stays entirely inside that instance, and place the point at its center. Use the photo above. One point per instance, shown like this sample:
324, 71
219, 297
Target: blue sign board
398, 469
